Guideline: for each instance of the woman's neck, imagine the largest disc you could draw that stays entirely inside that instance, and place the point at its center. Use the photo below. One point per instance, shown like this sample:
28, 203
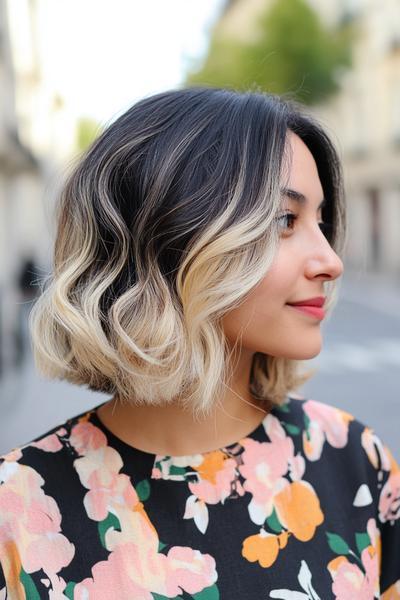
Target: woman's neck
171, 430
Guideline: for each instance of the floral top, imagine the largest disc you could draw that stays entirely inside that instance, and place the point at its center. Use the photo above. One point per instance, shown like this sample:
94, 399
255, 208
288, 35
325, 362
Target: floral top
307, 506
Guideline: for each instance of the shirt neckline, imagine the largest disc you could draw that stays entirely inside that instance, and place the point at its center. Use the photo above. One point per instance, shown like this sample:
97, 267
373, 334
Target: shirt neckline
117, 442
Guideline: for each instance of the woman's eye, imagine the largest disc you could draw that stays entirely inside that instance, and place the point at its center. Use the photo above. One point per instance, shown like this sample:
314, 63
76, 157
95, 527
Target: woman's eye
288, 220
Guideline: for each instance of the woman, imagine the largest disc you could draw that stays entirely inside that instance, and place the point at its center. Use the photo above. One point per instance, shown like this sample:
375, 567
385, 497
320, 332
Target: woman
186, 237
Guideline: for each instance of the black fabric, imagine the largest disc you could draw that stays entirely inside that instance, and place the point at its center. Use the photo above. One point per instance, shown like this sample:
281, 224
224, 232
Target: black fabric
306, 506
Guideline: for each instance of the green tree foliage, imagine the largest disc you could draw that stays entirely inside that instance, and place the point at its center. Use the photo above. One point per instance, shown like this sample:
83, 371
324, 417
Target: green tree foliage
87, 130
293, 53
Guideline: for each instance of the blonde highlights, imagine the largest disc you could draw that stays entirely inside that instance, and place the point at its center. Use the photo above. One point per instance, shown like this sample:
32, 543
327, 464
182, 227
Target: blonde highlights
165, 224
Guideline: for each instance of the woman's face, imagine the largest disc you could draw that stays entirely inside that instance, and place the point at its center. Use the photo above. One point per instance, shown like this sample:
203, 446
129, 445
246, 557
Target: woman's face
305, 260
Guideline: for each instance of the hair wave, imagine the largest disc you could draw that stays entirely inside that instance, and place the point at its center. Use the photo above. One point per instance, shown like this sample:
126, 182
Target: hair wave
165, 224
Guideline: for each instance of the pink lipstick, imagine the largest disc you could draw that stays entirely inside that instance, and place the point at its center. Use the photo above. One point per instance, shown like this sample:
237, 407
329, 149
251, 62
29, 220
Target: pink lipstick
313, 311
311, 306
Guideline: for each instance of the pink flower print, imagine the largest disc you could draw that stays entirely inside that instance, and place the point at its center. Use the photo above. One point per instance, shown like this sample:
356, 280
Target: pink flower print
376, 541
326, 422
349, 580
13, 456
99, 473
389, 499
31, 521
264, 466
111, 579
130, 572
370, 561
283, 444
156, 473
50, 443
134, 567
102, 496
274, 430
86, 437
50, 552
297, 466
189, 570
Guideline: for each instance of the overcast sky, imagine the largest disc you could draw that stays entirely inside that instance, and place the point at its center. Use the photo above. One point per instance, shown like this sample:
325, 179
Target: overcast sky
102, 55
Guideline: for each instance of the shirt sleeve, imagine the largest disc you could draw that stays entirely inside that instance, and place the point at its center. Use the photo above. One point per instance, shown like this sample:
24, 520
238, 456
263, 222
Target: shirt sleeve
388, 520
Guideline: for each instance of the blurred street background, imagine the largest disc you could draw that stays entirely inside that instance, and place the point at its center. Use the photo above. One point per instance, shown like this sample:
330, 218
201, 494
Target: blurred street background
68, 68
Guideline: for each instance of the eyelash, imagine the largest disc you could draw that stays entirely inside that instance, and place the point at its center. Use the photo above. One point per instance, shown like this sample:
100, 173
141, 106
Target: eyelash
325, 227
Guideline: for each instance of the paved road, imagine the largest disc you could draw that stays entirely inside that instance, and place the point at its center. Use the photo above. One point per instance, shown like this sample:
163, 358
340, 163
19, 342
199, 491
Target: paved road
359, 365
358, 370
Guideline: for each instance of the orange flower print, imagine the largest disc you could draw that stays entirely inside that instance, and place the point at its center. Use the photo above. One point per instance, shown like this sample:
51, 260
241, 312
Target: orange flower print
218, 477
216, 474
393, 592
282, 504
298, 509
264, 547
324, 422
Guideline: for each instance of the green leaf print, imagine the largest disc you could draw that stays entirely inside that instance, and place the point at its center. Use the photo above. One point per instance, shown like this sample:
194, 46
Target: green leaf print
103, 526
293, 429
337, 543
173, 470
161, 545
307, 423
29, 586
143, 490
69, 590
283, 408
210, 593
362, 540
273, 522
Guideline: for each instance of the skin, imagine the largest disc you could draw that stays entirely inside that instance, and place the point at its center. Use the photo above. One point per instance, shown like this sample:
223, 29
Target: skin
305, 260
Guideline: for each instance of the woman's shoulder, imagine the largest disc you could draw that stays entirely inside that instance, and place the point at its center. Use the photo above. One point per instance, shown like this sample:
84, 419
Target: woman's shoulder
49, 455
325, 428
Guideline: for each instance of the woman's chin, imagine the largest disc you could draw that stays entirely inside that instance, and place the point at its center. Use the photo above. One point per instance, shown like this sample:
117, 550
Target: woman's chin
303, 353
312, 353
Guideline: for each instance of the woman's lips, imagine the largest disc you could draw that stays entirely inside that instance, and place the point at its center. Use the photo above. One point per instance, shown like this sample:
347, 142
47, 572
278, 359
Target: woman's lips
313, 311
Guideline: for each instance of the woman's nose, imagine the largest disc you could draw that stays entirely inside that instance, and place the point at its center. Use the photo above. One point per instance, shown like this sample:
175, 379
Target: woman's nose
324, 262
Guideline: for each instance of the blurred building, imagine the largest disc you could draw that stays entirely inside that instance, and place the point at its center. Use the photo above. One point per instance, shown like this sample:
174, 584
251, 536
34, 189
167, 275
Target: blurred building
363, 119
366, 119
36, 135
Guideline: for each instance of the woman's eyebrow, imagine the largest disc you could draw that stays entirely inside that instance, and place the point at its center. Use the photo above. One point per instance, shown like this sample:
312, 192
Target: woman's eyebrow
299, 197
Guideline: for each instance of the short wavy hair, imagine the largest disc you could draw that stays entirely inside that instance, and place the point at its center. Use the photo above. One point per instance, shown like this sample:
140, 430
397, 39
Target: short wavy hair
166, 223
